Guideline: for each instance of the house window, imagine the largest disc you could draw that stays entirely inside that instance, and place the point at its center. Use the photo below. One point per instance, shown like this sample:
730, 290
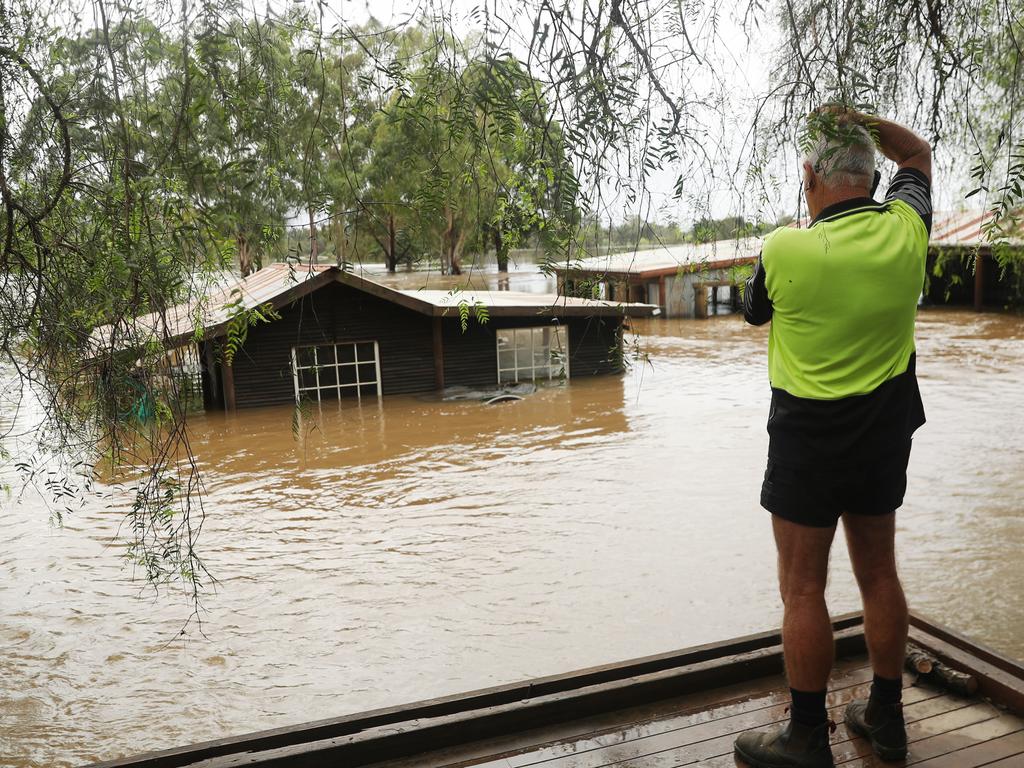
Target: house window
533, 354
334, 371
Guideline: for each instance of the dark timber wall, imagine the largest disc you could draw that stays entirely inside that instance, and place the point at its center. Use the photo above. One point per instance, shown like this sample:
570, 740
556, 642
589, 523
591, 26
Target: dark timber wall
332, 314
338, 313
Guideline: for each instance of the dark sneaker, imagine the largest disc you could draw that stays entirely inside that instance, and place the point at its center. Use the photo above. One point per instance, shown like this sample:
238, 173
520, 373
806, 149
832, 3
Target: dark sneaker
794, 746
883, 726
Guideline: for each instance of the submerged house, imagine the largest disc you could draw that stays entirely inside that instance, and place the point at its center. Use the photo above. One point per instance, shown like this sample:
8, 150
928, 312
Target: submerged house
340, 336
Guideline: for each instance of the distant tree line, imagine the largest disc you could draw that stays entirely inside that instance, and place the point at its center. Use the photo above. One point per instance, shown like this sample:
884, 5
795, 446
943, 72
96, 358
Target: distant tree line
638, 232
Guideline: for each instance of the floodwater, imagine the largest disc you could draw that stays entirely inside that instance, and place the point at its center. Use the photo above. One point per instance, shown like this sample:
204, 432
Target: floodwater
416, 548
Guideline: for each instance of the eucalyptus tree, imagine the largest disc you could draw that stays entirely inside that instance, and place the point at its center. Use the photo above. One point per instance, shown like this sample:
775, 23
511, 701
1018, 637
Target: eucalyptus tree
394, 172
238, 160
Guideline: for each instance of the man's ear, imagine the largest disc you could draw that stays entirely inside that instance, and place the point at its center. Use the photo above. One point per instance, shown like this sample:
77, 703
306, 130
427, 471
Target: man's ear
810, 178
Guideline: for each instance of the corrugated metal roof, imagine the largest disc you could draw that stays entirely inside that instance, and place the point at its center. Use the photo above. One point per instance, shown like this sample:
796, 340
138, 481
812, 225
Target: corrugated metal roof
964, 229
662, 260
517, 300
281, 284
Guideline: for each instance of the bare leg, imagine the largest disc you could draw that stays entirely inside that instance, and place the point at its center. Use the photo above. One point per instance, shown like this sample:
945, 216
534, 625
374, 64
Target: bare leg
806, 629
871, 541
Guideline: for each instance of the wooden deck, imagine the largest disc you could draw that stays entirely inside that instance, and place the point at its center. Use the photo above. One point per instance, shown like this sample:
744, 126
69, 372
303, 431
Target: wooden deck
944, 731
682, 708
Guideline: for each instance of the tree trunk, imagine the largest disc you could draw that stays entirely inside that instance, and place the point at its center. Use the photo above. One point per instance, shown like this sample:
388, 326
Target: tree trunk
501, 250
390, 258
457, 253
313, 247
245, 265
338, 228
451, 243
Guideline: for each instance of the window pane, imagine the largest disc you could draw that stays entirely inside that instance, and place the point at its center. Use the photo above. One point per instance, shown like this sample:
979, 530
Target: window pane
328, 374
506, 358
524, 355
346, 353
307, 378
368, 390
347, 374
364, 351
505, 339
304, 357
541, 337
506, 376
329, 394
367, 373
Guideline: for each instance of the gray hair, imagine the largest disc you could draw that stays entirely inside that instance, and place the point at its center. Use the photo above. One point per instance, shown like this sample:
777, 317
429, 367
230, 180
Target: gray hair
845, 161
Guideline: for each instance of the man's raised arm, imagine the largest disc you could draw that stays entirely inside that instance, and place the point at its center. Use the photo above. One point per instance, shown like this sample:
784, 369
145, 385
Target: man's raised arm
901, 145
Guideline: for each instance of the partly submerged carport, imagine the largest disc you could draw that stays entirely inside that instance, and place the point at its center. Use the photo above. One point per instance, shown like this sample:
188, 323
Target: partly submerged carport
683, 280
336, 335
963, 268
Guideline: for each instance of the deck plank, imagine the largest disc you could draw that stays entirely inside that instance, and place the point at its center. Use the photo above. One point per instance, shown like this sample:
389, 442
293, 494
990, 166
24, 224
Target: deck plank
1013, 761
983, 752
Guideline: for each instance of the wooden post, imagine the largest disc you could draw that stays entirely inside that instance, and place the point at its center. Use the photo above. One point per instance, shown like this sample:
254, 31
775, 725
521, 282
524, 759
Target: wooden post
216, 397
228, 376
438, 354
662, 298
979, 282
700, 301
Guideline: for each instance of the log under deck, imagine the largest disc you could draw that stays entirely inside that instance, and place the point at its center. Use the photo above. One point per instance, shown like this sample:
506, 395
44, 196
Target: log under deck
945, 731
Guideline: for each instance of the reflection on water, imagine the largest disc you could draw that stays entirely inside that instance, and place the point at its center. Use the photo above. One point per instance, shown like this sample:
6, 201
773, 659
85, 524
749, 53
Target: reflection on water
391, 553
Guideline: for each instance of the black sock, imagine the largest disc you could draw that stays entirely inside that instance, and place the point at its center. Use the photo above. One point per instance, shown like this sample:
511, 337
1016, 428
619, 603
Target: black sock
886, 691
808, 707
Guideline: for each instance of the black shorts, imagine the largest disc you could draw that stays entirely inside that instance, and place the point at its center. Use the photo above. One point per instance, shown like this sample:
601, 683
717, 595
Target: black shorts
819, 496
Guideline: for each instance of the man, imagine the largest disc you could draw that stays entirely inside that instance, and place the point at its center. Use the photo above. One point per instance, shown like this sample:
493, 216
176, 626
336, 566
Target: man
842, 299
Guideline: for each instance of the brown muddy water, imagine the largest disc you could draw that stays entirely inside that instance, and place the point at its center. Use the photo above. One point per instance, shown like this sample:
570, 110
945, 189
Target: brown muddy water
418, 548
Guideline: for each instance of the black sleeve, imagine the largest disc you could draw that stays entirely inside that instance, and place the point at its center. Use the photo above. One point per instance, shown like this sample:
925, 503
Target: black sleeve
912, 187
757, 307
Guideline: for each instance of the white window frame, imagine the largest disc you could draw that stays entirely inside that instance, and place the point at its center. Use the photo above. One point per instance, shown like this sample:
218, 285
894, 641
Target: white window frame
338, 387
561, 333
